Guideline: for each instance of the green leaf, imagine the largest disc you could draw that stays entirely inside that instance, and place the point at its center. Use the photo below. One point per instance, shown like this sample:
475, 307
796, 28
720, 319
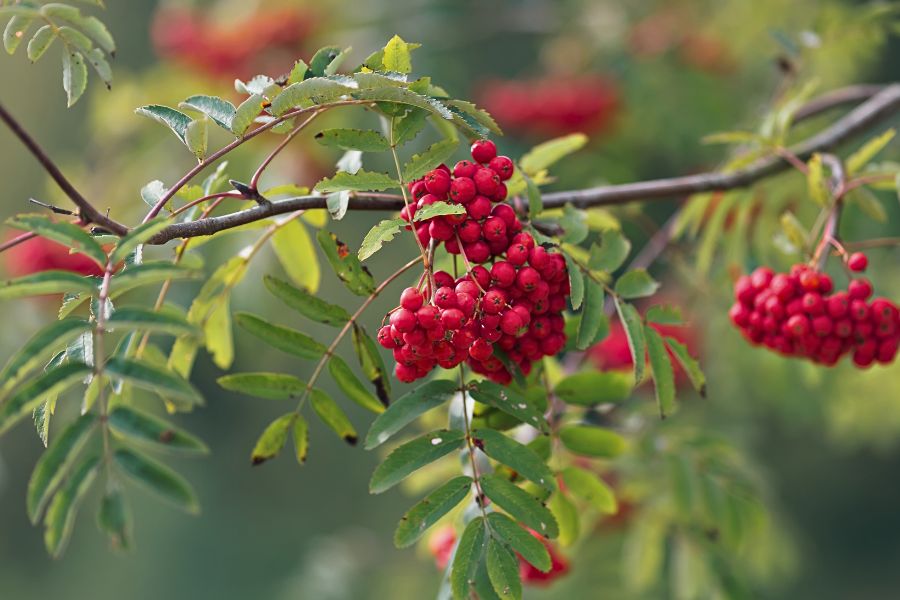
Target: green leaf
140, 427
816, 183
868, 203
567, 516
361, 181
535, 202
408, 408
67, 234
521, 505
273, 386
414, 455
309, 92
503, 570
661, 367
516, 456
664, 314
406, 128
404, 96
364, 140
636, 284
305, 303
380, 234
732, 137
98, 61
14, 32
794, 230
158, 478
37, 350
634, 331
244, 115
352, 387
593, 315
688, 363
175, 120
197, 137
153, 378
54, 464
323, 61
397, 56
298, 72
285, 339
466, 558
136, 237
587, 486
145, 319
478, 115
74, 76
576, 282
300, 434
438, 209
346, 264
40, 42
590, 388
297, 255
546, 154
114, 518
434, 155
220, 111
149, 273
588, 440
60, 519
30, 395
868, 151
509, 401
97, 30
430, 509
333, 416
272, 439
611, 253
372, 364
47, 282
523, 542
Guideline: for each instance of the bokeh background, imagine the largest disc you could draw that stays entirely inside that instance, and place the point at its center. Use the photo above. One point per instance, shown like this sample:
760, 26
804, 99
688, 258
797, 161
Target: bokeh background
645, 80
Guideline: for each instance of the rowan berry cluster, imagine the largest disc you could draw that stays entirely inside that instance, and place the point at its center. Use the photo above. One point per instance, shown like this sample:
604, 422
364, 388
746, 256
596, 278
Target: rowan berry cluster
799, 314
511, 297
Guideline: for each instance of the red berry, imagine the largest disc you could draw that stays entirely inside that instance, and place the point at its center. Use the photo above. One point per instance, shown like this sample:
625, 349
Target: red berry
502, 166
462, 190
418, 190
466, 303
406, 374
493, 302
857, 262
481, 349
403, 320
838, 304
813, 303
527, 279
440, 229
467, 286
517, 254
761, 277
486, 181
452, 318
782, 286
437, 182
469, 231
483, 151
860, 288
494, 228
443, 279
477, 252
428, 316
505, 212
385, 339
798, 326
525, 239
822, 325
445, 297
859, 310
464, 168
503, 273
482, 276
479, 208
411, 299
511, 322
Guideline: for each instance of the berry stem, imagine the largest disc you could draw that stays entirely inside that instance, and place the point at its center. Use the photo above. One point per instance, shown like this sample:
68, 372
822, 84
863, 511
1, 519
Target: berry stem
470, 445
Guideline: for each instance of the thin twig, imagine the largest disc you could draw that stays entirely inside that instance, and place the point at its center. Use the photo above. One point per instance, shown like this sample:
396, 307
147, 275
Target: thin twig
254, 181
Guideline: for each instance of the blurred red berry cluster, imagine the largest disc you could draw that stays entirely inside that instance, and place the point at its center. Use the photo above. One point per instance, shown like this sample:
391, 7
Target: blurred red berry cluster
40, 254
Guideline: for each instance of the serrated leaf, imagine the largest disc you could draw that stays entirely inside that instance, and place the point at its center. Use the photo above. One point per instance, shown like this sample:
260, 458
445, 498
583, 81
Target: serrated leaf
688, 363
220, 111
158, 478
305, 303
429, 159
478, 115
379, 235
309, 92
40, 347
60, 519
352, 387
364, 140
273, 386
588, 440
54, 464
175, 120
438, 209
589, 388
345, 264
466, 558
40, 42
396, 56
547, 153
520, 505
509, 401
153, 378
272, 439
856, 161
323, 60
404, 96
514, 455
503, 570
523, 542
298, 72
282, 338
74, 76
413, 455
361, 181
576, 282
140, 427
631, 321
67, 234
593, 315
430, 509
636, 284
245, 113
372, 364
145, 319
588, 487
406, 128
611, 253
333, 416
663, 374
295, 251
29, 396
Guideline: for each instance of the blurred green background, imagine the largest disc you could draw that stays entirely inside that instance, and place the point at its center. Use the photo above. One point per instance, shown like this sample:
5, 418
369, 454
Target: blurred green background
671, 72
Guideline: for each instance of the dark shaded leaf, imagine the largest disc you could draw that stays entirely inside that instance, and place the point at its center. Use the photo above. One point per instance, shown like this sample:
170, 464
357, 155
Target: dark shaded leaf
521, 505
345, 264
140, 427
30, 395
430, 509
285, 339
509, 401
467, 557
663, 374
408, 408
305, 303
274, 386
516, 456
413, 455
158, 478
523, 542
60, 519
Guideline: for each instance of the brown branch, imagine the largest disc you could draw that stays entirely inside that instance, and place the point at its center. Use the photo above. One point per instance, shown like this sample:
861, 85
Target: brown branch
86, 210
881, 105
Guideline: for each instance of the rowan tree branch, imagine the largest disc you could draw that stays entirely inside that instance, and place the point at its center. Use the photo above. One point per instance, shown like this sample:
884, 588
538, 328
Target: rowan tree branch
86, 210
882, 103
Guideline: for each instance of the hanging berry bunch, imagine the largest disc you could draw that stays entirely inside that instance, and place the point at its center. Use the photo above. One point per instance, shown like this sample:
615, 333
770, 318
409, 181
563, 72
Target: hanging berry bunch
514, 303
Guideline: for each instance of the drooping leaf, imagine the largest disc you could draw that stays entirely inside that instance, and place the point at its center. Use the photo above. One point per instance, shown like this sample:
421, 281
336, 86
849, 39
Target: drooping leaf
429, 159
175, 120
244, 115
663, 374
430, 509
282, 338
574, 224
816, 183
220, 111
15, 31
158, 478
40, 347
197, 137
636, 284
323, 61
114, 518
516, 456
30, 395
611, 253
67, 234
478, 115
593, 315
365, 140
305, 303
576, 282
520, 505
145, 319
503, 570
438, 209
566, 516
587, 486
60, 519
406, 128
868, 203
509, 401
794, 230
467, 557
588, 440
352, 387
300, 433
153, 378
413, 455
634, 331
272, 439
408, 408
688, 363
74, 76
382, 233
47, 282
361, 181
333, 416
372, 364
589, 388
54, 464
346, 264
531, 549
273, 386
143, 428
546, 154
40, 42
868, 151
294, 248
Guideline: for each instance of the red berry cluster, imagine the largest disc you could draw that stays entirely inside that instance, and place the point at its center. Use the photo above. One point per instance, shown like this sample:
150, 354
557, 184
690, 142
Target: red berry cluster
799, 314
514, 303
553, 105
